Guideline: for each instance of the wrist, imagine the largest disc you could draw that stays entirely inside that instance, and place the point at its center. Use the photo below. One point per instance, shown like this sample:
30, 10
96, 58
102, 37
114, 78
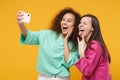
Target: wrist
65, 39
20, 24
82, 55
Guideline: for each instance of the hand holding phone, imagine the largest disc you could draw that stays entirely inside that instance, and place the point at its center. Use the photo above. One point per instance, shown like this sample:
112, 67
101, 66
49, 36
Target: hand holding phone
23, 17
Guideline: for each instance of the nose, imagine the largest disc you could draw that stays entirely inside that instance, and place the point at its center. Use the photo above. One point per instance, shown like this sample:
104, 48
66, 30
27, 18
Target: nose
64, 22
80, 25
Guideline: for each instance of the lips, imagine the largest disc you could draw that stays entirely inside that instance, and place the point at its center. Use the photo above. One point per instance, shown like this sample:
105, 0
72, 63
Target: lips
65, 27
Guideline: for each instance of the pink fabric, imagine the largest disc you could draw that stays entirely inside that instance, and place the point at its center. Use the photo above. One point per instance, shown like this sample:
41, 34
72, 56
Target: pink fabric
92, 66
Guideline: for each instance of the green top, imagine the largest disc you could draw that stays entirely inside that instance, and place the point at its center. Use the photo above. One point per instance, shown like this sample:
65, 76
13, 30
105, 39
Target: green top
51, 52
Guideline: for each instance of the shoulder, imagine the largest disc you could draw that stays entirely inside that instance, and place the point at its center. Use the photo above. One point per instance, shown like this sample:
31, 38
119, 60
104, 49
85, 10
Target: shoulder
50, 34
95, 45
46, 32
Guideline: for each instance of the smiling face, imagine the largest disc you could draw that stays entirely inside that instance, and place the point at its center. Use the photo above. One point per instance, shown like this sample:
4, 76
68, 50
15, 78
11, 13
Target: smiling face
67, 22
85, 27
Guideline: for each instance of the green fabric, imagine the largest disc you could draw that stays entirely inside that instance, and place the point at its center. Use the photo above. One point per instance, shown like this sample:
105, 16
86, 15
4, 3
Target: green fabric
51, 52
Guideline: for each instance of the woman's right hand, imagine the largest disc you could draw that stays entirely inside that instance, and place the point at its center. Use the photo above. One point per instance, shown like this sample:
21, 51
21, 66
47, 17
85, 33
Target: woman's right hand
81, 46
19, 16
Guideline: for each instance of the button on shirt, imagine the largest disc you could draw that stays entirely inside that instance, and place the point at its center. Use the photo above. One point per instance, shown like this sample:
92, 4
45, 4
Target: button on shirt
51, 52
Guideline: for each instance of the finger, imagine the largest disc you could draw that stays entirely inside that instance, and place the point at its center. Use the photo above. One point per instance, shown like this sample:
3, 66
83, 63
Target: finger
19, 15
21, 11
70, 31
83, 38
19, 20
78, 39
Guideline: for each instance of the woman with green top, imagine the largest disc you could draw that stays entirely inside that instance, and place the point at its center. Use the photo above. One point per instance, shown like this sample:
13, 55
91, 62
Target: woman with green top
58, 45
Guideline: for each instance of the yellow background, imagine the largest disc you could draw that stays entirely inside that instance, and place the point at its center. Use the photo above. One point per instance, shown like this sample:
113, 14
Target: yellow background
18, 62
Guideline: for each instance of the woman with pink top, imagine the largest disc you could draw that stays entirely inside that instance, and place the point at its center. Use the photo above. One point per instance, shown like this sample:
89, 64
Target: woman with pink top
94, 56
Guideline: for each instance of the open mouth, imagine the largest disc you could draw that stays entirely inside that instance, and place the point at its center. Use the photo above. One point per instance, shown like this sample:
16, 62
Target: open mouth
81, 30
65, 27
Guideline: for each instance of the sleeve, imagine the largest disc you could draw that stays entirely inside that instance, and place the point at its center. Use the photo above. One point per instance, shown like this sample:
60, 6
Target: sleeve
88, 63
72, 59
32, 38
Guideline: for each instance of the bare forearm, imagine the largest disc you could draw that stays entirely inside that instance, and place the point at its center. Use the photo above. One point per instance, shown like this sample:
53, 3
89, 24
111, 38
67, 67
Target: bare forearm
23, 29
81, 52
66, 50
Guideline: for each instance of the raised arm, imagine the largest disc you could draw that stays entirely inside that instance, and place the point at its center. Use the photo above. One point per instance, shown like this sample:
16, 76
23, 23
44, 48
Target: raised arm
21, 25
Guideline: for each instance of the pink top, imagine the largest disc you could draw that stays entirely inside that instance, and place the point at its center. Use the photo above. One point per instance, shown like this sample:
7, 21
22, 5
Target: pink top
93, 66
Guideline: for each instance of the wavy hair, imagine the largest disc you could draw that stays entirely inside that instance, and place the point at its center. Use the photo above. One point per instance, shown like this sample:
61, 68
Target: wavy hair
56, 24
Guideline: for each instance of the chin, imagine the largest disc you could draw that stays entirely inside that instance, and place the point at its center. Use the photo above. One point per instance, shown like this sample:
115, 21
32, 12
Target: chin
64, 33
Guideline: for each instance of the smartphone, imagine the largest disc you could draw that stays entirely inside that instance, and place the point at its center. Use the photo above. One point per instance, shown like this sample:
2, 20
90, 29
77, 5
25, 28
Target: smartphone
26, 18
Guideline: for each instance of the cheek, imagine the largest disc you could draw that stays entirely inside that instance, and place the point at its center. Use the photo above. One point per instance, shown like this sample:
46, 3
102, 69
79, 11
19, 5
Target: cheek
71, 24
87, 32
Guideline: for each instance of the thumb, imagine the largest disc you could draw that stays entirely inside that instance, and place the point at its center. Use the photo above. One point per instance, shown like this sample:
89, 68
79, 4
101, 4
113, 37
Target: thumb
82, 37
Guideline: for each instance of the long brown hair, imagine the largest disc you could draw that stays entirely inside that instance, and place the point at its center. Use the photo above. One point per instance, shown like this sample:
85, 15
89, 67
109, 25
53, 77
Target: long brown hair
56, 26
97, 35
